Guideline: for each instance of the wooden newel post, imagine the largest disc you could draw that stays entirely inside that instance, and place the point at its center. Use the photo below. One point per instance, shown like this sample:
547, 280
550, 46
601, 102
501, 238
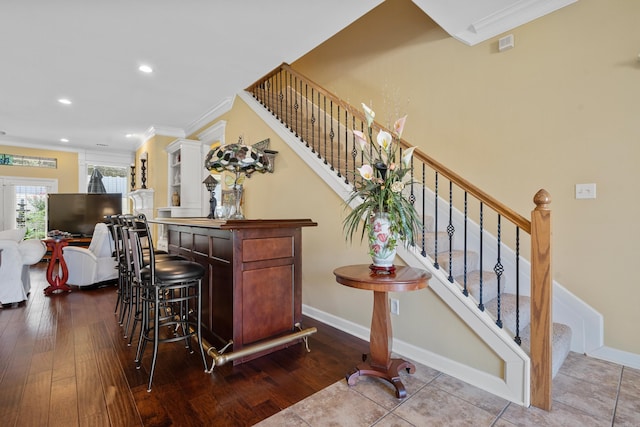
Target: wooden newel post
541, 297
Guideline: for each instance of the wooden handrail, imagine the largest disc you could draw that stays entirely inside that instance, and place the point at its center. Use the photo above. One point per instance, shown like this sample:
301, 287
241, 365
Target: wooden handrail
485, 198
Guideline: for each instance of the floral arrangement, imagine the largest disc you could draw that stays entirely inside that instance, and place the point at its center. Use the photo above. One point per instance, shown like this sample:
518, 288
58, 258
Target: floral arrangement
381, 189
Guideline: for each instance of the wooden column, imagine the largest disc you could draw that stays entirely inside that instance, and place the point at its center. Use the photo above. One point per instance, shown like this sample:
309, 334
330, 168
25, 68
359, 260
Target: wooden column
541, 297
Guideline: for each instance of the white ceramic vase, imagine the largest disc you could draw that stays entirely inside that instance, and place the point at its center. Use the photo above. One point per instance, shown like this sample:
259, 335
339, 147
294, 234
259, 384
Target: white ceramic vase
382, 242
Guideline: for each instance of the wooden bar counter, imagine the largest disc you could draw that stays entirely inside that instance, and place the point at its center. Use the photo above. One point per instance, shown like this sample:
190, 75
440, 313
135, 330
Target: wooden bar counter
252, 290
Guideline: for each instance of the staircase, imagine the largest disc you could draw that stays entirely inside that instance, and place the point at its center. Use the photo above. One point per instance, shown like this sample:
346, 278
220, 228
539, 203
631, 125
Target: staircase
323, 123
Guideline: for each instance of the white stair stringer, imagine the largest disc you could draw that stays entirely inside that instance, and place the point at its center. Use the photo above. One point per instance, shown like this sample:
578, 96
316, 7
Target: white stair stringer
515, 384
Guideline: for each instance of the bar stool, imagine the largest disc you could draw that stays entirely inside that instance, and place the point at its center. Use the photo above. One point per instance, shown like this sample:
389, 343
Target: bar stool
170, 293
125, 269
135, 306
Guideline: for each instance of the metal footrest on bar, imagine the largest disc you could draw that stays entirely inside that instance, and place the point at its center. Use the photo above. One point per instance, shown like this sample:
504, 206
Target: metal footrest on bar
220, 357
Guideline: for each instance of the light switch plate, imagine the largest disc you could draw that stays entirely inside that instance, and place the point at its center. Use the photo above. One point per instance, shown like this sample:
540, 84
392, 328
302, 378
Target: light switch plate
585, 191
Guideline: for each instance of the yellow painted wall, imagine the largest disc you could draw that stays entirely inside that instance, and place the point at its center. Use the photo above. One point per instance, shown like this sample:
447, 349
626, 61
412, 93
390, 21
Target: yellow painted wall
293, 191
66, 172
559, 109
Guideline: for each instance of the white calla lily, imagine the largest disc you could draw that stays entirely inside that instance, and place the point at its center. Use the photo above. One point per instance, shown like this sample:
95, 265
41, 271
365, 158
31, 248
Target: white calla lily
361, 139
384, 139
406, 157
366, 172
369, 113
398, 126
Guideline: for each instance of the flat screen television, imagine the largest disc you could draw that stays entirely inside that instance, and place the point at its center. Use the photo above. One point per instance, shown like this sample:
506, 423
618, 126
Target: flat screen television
78, 213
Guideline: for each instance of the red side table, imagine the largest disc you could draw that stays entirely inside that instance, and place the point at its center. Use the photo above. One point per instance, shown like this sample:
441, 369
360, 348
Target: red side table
378, 362
57, 272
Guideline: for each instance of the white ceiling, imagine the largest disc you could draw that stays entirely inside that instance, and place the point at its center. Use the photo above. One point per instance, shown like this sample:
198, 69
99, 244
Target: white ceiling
202, 51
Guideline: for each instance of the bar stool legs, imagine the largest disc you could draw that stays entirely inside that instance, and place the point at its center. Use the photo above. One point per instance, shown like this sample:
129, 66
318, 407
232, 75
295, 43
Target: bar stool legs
168, 308
169, 294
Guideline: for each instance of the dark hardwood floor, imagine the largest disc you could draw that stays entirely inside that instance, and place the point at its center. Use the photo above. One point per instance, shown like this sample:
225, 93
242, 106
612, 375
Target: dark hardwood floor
64, 362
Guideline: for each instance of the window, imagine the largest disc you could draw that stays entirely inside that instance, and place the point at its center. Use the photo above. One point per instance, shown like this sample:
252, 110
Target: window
31, 202
114, 179
23, 204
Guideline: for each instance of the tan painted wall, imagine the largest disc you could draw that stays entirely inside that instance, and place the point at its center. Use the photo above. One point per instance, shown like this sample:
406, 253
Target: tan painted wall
560, 108
295, 192
66, 173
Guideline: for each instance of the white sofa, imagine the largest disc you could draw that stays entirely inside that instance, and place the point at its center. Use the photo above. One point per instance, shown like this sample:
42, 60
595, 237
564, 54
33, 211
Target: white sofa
16, 257
93, 265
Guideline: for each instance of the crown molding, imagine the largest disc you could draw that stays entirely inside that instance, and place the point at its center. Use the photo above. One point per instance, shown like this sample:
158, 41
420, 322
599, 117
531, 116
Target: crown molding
160, 130
223, 107
485, 22
213, 133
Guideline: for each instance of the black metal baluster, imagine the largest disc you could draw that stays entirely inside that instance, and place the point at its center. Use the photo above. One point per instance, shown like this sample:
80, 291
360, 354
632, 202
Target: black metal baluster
424, 210
337, 144
412, 195
517, 337
296, 107
450, 230
499, 269
306, 113
324, 130
465, 290
313, 118
480, 304
281, 84
354, 153
288, 105
332, 135
435, 239
346, 145
268, 91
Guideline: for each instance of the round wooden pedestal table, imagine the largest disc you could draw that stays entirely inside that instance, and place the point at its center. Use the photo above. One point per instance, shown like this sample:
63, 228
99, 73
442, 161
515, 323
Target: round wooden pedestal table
378, 362
57, 272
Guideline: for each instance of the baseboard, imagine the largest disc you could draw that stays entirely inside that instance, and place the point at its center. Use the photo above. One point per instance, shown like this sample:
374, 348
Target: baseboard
445, 365
614, 355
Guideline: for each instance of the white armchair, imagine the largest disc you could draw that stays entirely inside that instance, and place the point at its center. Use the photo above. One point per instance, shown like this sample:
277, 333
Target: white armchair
93, 265
17, 255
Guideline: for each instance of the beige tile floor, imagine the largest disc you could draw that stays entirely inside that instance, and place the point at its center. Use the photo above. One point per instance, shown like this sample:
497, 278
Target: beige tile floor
586, 392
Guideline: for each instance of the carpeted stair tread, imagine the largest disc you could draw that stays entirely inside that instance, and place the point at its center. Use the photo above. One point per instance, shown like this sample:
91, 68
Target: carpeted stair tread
458, 261
489, 284
443, 243
561, 344
508, 311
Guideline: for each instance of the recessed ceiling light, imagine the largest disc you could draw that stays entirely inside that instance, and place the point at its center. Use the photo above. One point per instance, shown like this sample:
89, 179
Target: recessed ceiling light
64, 101
145, 69
64, 140
129, 135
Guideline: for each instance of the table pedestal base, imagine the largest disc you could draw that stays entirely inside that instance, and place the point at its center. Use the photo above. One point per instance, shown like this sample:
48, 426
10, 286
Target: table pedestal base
390, 374
56, 287
57, 272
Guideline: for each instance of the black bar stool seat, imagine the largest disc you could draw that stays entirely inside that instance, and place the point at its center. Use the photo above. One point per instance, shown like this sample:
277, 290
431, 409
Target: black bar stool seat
176, 271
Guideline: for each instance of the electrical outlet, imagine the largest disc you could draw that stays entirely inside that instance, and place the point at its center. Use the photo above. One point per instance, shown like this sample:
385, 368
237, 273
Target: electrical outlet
395, 306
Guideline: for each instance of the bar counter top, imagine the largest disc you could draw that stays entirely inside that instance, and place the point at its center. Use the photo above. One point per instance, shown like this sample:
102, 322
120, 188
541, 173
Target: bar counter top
232, 224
